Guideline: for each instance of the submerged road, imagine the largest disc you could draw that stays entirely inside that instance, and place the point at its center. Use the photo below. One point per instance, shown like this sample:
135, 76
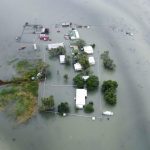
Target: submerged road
129, 129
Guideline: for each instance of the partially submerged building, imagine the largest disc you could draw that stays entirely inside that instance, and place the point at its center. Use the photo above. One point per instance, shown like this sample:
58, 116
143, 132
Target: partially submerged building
81, 95
55, 45
62, 59
77, 67
91, 60
74, 35
88, 49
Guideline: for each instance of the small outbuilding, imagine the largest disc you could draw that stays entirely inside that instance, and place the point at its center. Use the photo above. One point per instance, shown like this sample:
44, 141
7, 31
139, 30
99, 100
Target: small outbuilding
62, 59
81, 95
85, 77
35, 46
88, 49
91, 60
74, 34
55, 45
77, 67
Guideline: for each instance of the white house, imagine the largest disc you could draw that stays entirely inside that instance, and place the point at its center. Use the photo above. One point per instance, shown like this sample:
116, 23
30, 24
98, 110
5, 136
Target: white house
55, 45
91, 60
77, 67
80, 98
62, 59
88, 49
74, 34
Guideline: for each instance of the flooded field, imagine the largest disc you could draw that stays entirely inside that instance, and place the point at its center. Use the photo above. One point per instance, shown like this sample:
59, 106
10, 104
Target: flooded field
110, 22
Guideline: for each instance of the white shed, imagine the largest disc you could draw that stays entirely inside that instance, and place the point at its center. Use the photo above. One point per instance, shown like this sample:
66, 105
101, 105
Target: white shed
55, 45
74, 34
81, 95
77, 67
88, 49
85, 77
91, 60
62, 59
34, 46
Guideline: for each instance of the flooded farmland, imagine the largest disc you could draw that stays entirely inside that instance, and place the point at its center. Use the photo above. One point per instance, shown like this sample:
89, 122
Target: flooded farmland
110, 21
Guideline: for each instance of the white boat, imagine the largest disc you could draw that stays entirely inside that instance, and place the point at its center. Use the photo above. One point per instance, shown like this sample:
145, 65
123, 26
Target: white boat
108, 113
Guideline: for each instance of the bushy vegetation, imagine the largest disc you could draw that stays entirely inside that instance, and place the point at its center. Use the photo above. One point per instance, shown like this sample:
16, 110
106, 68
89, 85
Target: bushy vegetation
82, 58
67, 60
66, 77
23, 91
80, 43
57, 51
88, 108
109, 90
107, 62
63, 108
29, 69
47, 104
93, 45
78, 81
92, 83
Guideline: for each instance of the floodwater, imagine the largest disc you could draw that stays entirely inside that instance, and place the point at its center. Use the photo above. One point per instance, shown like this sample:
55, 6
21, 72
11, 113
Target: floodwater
129, 128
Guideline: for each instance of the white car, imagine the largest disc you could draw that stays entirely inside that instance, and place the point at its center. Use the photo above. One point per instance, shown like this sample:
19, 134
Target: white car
108, 113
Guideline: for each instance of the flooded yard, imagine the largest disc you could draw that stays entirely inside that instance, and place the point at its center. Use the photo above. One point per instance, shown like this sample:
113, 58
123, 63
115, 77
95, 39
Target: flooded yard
109, 21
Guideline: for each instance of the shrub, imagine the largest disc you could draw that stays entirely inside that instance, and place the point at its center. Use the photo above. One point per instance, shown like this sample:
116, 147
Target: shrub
63, 108
83, 60
57, 51
89, 108
80, 43
93, 45
92, 83
107, 62
78, 81
67, 60
66, 77
47, 103
109, 90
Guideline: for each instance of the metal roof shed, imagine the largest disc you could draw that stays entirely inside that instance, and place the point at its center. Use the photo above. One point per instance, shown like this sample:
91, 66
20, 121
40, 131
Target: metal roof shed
81, 95
91, 60
55, 45
88, 49
77, 67
62, 59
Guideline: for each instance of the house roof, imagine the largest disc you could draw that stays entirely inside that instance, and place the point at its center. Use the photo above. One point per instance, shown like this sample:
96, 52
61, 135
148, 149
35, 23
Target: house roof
77, 67
55, 45
88, 49
62, 59
91, 60
74, 35
81, 94
85, 77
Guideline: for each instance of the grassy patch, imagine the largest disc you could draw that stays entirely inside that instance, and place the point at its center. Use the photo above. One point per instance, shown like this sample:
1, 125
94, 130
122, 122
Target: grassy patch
23, 91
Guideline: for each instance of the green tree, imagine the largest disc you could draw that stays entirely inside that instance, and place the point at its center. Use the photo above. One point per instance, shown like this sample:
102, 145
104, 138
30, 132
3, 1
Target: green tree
80, 43
47, 103
66, 77
57, 51
89, 108
63, 108
67, 60
83, 60
110, 97
107, 62
109, 90
78, 81
109, 84
92, 83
